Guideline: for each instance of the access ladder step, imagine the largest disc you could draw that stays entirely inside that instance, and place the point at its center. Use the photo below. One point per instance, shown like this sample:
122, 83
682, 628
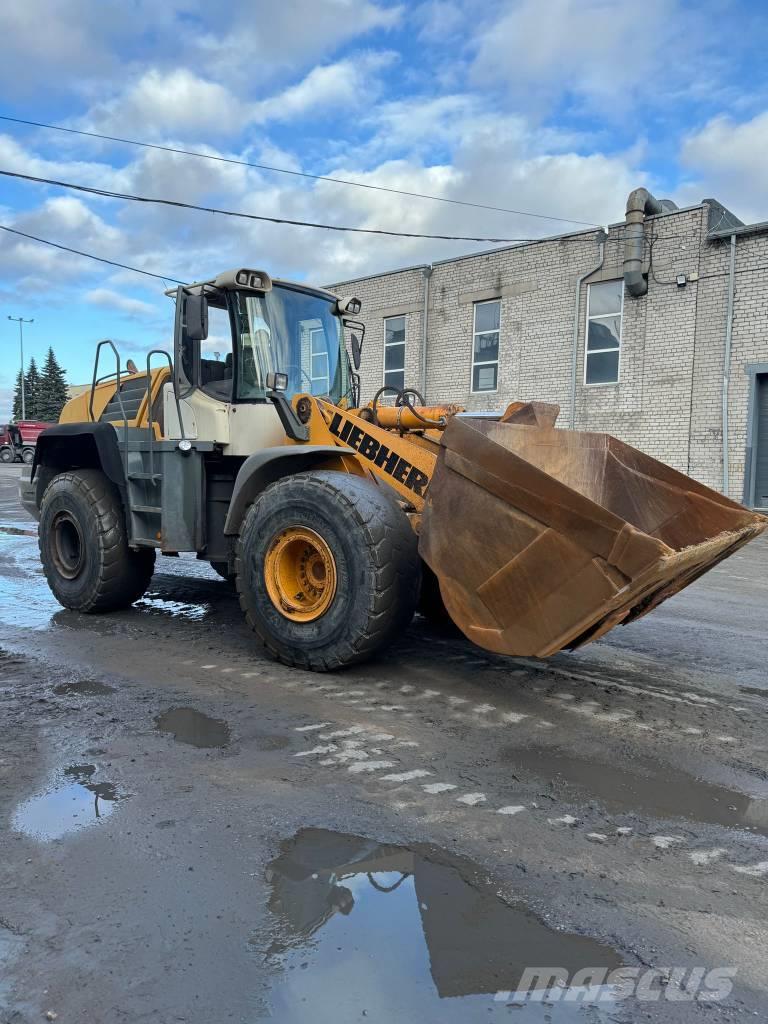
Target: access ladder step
154, 509
145, 476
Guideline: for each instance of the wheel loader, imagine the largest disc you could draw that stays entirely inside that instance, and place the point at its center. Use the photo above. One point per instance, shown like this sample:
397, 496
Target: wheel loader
251, 447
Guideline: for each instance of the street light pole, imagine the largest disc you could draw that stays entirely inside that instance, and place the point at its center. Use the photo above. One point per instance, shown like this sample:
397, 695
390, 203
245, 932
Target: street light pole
21, 321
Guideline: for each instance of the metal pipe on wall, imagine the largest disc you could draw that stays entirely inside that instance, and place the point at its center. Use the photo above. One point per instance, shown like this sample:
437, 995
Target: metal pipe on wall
727, 360
424, 332
640, 204
601, 238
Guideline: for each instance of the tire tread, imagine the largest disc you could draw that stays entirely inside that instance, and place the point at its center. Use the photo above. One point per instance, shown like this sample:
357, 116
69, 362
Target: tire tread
124, 574
392, 548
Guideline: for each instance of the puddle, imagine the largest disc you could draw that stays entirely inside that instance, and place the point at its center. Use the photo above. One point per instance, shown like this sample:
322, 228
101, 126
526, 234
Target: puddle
189, 726
25, 599
651, 787
176, 609
396, 933
74, 802
84, 687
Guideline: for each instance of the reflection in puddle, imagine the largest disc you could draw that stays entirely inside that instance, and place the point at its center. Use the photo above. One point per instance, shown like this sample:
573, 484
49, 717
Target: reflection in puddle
190, 726
75, 802
405, 934
85, 687
17, 531
177, 609
650, 786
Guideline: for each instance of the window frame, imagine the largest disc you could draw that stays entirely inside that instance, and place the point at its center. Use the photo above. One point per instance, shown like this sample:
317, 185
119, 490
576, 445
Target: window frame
394, 344
313, 331
588, 352
485, 362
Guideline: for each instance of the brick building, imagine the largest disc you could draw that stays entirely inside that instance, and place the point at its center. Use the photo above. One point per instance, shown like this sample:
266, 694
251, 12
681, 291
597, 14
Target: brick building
664, 345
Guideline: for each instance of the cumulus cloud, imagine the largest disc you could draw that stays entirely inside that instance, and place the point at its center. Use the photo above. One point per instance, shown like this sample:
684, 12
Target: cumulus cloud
124, 304
77, 43
728, 159
349, 82
603, 51
44, 40
282, 36
68, 221
180, 103
16, 157
161, 103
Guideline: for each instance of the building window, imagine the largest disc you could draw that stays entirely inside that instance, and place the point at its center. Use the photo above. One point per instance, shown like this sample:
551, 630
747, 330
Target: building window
394, 352
604, 309
319, 373
485, 346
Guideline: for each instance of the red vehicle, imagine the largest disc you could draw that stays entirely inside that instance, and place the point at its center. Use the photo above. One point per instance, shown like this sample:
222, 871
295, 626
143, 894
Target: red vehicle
18, 440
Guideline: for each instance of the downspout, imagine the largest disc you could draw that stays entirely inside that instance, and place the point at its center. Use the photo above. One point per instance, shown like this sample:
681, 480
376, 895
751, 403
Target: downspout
640, 204
727, 361
424, 332
600, 237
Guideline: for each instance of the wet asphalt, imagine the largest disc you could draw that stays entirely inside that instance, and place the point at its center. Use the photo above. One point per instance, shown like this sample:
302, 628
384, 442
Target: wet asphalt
191, 832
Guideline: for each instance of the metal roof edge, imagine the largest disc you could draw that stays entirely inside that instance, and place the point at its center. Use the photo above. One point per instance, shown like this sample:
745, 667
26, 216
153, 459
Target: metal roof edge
745, 229
383, 273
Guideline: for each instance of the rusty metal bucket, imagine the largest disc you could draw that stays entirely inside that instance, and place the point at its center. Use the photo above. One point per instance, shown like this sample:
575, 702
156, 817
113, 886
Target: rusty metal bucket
543, 539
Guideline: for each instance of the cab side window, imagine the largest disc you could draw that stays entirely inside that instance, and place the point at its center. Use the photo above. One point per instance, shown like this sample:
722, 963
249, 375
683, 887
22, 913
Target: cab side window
216, 361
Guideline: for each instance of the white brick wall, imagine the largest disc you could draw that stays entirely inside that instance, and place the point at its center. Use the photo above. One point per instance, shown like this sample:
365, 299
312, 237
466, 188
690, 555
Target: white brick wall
668, 399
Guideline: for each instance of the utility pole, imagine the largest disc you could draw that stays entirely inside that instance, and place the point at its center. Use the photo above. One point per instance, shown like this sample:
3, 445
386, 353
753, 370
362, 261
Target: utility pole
21, 321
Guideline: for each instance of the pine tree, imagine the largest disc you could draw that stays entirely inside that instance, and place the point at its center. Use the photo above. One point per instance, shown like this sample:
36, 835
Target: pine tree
52, 394
32, 389
17, 410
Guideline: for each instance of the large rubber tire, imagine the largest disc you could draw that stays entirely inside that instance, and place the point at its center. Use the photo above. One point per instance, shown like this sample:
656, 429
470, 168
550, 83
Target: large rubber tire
6, 455
378, 569
84, 547
28, 456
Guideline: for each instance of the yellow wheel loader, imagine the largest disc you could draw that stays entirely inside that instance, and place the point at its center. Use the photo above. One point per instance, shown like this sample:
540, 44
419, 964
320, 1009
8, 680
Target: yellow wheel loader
251, 447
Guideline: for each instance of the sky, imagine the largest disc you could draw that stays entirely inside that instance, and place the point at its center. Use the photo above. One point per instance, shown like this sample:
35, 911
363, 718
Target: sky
552, 107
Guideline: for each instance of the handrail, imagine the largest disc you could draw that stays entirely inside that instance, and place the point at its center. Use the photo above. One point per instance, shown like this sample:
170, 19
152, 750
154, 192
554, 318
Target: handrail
94, 382
159, 352
105, 377
118, 393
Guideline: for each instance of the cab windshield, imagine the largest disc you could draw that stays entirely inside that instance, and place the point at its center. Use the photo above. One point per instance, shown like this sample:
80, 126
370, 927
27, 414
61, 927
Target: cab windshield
292, 332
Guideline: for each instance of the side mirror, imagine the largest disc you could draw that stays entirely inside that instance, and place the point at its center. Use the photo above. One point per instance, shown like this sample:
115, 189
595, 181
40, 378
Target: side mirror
196, 317
357, 349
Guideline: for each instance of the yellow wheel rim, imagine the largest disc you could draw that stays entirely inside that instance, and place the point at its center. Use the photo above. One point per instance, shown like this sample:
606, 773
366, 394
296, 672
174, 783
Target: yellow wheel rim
300, 574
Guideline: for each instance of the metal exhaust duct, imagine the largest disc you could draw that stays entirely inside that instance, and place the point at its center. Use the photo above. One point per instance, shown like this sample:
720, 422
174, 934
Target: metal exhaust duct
640, 204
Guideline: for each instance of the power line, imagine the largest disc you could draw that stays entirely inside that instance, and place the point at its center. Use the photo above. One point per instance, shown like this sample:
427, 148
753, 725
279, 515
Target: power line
127, 196
89, 255
285, 170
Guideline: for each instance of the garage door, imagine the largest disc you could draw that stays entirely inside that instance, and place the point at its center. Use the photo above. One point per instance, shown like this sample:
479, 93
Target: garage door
761, 463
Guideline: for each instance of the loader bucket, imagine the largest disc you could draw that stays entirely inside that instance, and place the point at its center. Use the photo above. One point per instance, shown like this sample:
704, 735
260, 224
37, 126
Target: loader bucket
544, 539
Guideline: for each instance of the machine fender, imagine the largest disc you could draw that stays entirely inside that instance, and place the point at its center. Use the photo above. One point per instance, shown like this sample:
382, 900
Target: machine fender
78, 446
260, 470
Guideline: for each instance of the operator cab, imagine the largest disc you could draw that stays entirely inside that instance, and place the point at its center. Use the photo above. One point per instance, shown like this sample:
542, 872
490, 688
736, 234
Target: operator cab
235, 330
